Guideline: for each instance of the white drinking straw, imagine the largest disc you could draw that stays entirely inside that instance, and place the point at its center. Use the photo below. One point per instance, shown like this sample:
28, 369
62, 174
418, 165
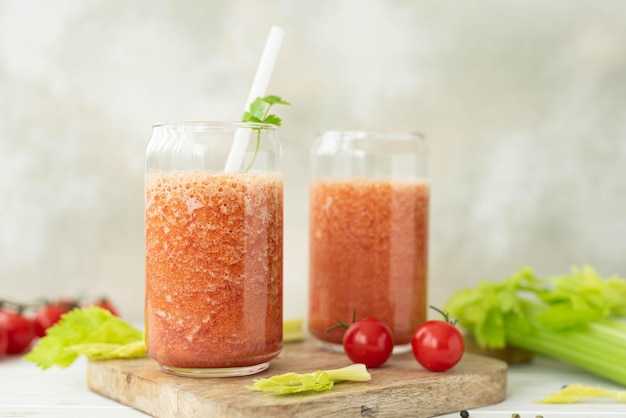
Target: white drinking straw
258, 89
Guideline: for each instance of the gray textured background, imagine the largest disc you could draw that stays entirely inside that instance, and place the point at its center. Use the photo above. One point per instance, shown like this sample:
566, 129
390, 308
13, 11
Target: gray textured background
523, 103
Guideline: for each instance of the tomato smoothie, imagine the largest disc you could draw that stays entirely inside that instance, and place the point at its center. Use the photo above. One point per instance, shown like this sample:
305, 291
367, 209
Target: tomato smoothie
213, 269
368, 254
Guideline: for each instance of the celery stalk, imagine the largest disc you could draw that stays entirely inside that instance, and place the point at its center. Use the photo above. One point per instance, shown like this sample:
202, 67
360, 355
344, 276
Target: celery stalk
580, 349
575, 318
354, 372
318, 381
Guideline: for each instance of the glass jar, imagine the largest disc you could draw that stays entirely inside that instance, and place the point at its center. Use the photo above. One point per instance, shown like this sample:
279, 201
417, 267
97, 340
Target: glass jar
214, 239
368, 237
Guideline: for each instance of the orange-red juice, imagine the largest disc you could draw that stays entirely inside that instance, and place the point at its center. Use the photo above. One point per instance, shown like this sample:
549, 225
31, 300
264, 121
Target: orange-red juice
213, 268
368, 254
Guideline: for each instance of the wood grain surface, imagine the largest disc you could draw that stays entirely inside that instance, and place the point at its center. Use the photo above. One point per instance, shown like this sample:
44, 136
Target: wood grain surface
400, 388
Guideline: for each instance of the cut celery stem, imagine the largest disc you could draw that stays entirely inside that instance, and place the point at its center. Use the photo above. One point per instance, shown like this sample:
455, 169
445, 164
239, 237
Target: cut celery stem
317, 381
355, 372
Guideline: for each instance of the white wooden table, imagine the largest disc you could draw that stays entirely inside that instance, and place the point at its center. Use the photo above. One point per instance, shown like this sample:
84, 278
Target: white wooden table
26, 391
529, 383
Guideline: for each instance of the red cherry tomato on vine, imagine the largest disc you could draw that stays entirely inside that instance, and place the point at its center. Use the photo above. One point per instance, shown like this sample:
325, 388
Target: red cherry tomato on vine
48, 315
106, 304
20, 331
368, 341
437, 345
4, 341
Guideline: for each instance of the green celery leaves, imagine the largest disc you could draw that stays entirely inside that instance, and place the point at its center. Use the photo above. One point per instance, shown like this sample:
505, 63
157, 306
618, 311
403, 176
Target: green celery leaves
258, 112
93, 332
488, 310
318, 381
577, 318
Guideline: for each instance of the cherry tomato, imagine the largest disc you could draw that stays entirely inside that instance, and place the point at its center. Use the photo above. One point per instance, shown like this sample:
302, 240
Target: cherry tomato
106, 304
20, 331
437, 345
48, 315
4, 341
368, 341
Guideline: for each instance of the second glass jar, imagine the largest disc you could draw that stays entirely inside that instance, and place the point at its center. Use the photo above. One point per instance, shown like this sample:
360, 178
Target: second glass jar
368, 237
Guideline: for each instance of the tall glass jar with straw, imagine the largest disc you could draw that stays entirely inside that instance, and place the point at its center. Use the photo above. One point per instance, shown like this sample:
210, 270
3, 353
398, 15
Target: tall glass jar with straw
214, 242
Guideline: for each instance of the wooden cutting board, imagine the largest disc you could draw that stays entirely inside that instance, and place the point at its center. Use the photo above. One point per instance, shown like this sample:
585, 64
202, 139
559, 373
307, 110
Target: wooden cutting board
399, 388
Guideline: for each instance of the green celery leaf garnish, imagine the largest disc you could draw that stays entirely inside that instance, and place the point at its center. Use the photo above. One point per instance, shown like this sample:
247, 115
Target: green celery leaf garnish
259, 113
318, 381
93, 332
106, 351
260, 108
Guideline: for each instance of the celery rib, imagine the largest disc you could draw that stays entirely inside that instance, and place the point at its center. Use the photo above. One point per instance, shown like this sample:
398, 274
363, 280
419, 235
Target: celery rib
580, 350
318, 381
355, 372
575, 318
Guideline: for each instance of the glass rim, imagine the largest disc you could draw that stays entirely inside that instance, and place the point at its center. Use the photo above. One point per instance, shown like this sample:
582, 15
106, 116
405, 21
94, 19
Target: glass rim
199, 124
